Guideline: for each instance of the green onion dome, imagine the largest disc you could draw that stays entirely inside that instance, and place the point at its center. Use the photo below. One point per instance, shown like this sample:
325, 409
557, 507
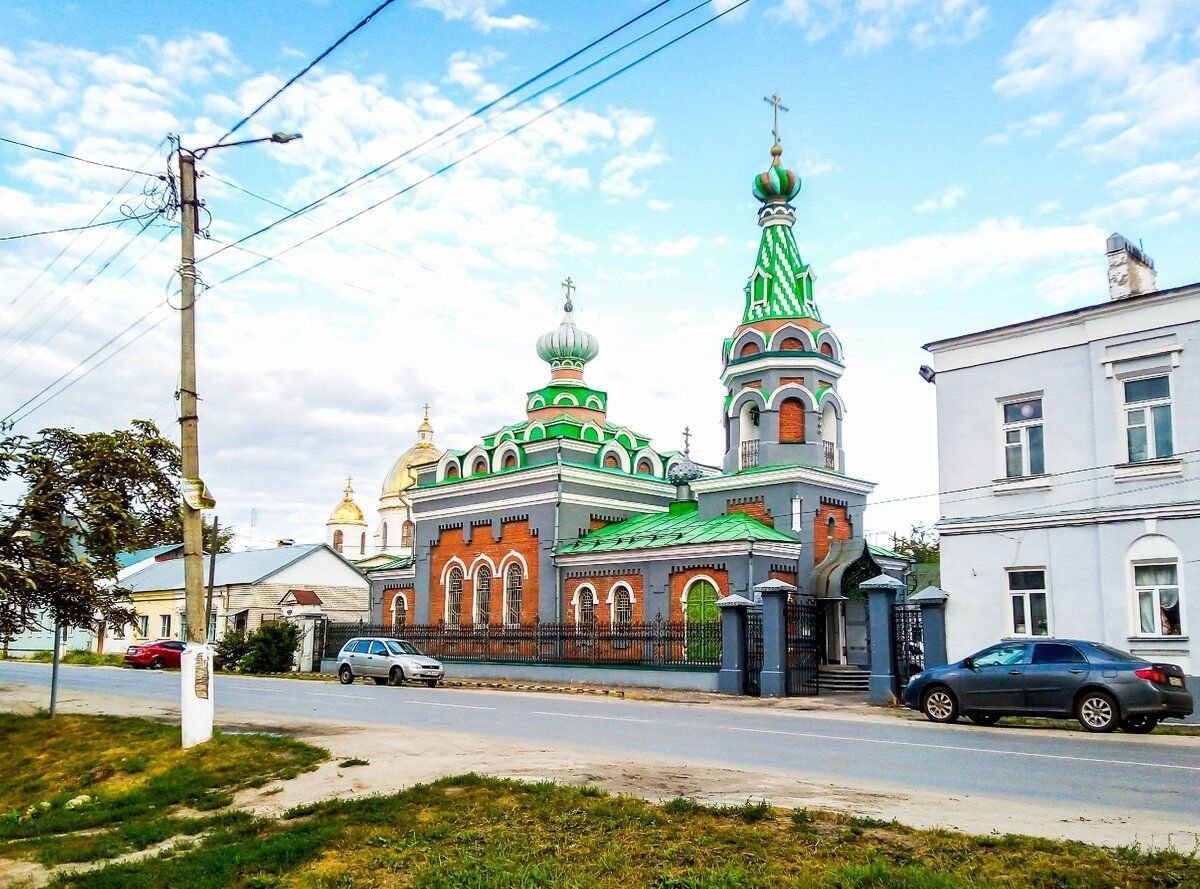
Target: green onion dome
777, 184
567, 345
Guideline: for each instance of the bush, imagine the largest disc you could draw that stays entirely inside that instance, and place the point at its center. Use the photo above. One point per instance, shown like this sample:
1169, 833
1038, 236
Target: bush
271, 648
229, 650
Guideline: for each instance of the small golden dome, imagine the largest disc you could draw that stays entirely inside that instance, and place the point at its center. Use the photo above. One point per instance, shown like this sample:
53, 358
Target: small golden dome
403, 475
347, 512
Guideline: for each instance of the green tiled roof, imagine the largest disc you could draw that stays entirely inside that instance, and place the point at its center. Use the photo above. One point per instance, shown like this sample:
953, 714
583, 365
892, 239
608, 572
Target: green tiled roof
680, 527
127, 559
397, 562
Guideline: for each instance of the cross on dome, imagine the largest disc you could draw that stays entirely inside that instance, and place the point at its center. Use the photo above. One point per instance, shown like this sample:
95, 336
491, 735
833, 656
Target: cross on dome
569, 286
777, 105
687, 440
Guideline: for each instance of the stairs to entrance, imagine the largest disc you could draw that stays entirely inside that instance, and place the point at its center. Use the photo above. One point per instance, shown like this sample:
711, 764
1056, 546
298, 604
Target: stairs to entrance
843, 679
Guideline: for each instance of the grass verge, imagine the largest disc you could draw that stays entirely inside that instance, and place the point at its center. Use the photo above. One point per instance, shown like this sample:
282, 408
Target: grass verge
80, 657
495, 834
85, 788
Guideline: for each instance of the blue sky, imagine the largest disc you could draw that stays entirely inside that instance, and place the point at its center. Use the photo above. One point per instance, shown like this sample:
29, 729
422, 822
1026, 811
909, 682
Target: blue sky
962, 163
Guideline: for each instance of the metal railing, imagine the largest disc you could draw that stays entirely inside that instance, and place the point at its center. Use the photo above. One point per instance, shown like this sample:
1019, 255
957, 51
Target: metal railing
748, 455
830, 455
655, 643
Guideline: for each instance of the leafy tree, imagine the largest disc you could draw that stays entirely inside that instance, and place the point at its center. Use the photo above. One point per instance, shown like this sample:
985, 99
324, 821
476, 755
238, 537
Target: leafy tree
230, 649
921, 544
173, 533
271, 648
86, 498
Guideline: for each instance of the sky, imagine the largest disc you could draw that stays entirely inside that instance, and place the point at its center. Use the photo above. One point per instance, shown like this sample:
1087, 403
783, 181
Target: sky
962, 162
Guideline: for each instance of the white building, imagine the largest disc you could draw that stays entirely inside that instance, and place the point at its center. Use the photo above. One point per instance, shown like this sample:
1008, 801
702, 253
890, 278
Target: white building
1069, 461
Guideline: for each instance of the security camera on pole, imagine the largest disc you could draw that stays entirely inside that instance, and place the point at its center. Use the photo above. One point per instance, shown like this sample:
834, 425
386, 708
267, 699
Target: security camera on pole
196, 684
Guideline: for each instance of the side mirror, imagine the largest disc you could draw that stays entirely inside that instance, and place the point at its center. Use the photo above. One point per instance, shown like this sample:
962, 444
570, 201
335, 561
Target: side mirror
968, 663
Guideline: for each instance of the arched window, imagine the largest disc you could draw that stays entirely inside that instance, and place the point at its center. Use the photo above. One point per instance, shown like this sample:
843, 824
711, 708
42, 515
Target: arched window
791, 420
827, 350
480, 467
399, 611
622, 614
510, 460
483, 595
406, 533
383, 536
611, 461
454, 587
451, 471
791, 344
512, 594
754, 416
337, 540
750, 348
585, 609
362, 544
644, 467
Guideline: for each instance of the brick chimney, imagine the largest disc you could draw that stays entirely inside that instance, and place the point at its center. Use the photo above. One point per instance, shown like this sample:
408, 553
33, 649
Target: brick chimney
1130, 271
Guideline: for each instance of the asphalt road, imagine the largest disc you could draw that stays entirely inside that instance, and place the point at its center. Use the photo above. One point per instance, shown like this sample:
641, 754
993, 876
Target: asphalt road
1123, 772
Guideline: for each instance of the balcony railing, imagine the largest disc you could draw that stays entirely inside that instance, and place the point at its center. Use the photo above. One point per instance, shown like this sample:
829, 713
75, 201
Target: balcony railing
830, 455
748, 456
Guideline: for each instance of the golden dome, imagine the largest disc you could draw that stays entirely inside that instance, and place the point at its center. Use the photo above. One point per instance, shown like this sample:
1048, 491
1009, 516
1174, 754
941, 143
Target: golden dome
347, 512
402, 475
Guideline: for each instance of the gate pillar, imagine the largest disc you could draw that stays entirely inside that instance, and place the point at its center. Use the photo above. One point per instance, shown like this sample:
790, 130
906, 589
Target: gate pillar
731, 680
774, 595
933, 624
881, 600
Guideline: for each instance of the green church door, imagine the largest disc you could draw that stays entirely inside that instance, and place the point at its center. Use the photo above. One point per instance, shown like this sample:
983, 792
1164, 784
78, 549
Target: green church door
702, 617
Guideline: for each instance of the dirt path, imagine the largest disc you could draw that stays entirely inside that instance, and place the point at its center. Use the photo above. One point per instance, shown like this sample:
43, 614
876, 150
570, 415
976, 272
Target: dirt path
400, 757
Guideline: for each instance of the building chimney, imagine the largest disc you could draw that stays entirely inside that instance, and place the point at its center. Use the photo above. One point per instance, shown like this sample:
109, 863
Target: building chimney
1130, 271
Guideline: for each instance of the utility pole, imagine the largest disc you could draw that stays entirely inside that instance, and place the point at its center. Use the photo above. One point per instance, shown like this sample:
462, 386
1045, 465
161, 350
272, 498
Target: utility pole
196, 701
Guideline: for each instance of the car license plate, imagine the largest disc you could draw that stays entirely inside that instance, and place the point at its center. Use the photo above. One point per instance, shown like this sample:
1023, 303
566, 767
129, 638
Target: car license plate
1175, 680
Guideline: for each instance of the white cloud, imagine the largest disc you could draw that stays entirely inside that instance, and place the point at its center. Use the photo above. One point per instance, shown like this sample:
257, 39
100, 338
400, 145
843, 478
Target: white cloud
1087, 283
874, 24
479, 14
928, 264
671, 248
618, 174
1153, 176
947, 199
1028, 128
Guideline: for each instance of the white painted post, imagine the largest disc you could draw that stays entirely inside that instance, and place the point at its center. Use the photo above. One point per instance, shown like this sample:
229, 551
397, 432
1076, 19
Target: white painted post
196, 685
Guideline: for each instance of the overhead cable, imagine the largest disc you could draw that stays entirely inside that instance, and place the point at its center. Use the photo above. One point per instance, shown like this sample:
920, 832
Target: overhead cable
82, 160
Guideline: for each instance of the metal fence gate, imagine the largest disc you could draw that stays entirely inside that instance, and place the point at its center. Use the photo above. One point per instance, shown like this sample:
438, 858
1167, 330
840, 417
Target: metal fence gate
754, 651
908, 644
802, 649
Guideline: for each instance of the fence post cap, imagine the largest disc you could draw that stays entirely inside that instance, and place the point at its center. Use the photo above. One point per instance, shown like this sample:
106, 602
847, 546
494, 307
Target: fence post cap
883, 582
774, 585
735, 601
929, 595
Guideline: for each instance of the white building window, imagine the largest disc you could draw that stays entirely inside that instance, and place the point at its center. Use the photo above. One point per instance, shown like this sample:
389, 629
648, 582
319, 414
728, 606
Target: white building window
143, 625
585, 606
513, 583
1029, 602
1024, 447
1158, 599
165, 626
483, 595
454, 591
622, 607
1148, 419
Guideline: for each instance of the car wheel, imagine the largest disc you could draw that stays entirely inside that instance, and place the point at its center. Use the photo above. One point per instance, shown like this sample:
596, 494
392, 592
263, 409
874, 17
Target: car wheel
1097, 712
156, 664
396, 677
983, 718
939, 705
432, 683
345, 675
379, 680
1139, 725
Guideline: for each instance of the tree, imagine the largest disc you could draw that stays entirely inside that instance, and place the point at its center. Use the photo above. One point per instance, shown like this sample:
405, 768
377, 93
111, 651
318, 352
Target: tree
271, 648
921, 544
87, 497
173, 533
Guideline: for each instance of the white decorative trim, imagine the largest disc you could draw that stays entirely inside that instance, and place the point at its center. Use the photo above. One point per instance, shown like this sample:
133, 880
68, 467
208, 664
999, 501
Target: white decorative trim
691, 583
656, 464
503, 451
536, 424
514, 556
782, 392
460, 510
472, 457
785, 361
746, 395
400, 596
795, 331
983, 525
735, 350
475, 562
839, 406
599, 433
614, 447
536, 402
726, 549
630, 440
1021, 484
594, 402
610, 503
828, 336
1125, 472
612, 593
574, 603
633, 484
452, 562
500, 439
565, 398
784, 474
445, 463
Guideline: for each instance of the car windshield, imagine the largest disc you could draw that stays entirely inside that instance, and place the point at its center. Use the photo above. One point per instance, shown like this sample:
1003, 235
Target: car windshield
1117, 655
1001, 656
402, 647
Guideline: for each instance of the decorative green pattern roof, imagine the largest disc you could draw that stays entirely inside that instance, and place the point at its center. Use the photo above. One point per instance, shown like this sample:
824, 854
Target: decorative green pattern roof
679, 527
781, 285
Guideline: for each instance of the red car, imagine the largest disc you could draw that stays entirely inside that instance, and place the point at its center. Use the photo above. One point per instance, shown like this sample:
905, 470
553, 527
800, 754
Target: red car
155, 655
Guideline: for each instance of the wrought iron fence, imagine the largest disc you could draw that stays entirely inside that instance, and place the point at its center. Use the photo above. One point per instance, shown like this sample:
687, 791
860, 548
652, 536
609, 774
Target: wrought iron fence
655, 643
908, 643
830, 455
751, 684
803, 616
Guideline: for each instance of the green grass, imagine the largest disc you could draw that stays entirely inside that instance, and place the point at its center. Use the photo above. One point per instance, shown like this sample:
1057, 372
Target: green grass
496, 834
126, 778
80, 656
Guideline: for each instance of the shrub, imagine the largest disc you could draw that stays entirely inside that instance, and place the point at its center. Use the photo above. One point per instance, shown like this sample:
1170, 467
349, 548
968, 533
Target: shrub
229, 650
271, 648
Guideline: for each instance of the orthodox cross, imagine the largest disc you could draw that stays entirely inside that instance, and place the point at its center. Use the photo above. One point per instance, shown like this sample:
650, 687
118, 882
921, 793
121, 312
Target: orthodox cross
687, 440
777, 104
348, 480
569, 287
426, 407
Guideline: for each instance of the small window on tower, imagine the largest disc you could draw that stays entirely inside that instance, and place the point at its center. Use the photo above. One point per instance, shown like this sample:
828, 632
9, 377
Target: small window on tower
827, 350
451, 471
644, 468
480, 467
791, 344
750, 348
510, 460
611, 461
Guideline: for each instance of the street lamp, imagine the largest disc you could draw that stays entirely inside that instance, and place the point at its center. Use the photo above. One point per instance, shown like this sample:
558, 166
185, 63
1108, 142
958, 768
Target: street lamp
196, 685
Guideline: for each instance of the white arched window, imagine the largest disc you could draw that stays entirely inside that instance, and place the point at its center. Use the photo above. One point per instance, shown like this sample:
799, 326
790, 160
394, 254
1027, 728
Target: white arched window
337, 540
383, 536
585, 606
1156, 573
399, 611
406, 533
362, 544
483, 595
513, 583
454, 591
622, 607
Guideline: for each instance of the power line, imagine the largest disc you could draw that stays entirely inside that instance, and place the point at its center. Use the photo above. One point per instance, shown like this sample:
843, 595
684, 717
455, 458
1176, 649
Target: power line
271, 98
482, 109
509, 133
83, 160
74, 228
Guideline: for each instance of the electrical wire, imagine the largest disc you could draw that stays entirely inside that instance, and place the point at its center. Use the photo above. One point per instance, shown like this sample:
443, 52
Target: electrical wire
482, 109
275, 95
486, 145
74, 228
82, 160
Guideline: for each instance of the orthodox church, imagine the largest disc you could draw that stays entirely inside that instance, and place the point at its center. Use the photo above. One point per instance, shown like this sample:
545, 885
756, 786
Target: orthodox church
569, 516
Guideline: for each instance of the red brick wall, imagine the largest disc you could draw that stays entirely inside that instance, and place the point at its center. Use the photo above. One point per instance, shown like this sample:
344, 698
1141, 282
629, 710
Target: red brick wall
750, 348
516, 536
821, 535
756, 508
679, 581
389, 604
791, 420
791, 344
786, 576
602, 585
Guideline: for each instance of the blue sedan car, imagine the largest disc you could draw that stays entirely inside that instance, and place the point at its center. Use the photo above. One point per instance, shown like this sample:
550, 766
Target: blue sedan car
1100, 686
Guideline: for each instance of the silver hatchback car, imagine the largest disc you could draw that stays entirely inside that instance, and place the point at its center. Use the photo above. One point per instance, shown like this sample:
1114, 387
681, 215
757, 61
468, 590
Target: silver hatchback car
393, 661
